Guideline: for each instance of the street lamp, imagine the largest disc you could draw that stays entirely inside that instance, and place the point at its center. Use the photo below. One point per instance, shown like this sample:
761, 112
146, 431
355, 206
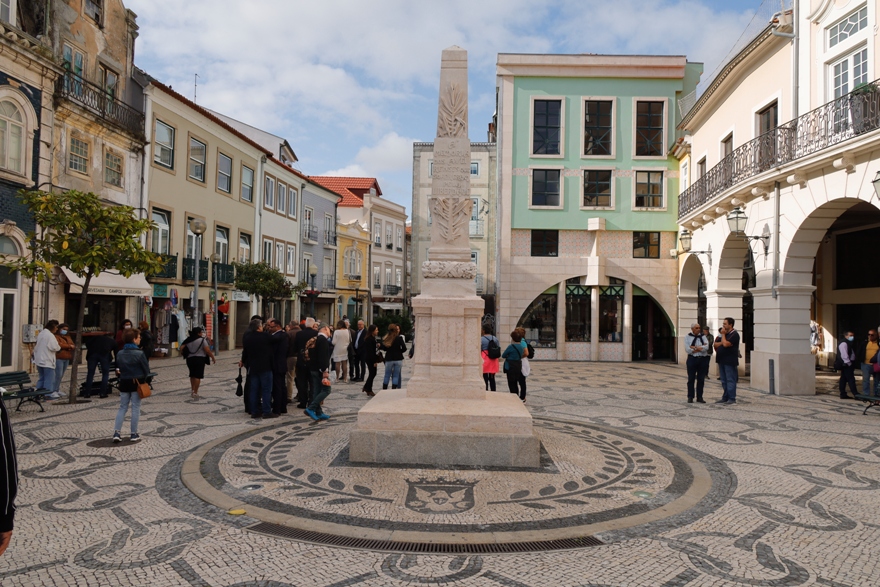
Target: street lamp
198, 228
216, 258
737, 220
876, 183
313, 273
686, 239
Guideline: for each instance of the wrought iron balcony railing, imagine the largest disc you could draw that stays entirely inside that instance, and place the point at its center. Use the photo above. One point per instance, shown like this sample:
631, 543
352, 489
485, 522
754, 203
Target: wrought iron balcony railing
169, 271
830, 124
189, 269
389, 246
377, 286
225, 272
391, 290
99, 102
310, 233
329, 282
330, 237
477, 228
352, 277
480, 284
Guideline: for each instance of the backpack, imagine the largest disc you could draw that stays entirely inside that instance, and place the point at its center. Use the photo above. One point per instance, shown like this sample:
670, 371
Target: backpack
493, 351
310, 344
530, 350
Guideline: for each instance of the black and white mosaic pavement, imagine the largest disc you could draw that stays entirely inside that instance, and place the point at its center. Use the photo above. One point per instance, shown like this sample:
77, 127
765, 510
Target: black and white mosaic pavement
792, 500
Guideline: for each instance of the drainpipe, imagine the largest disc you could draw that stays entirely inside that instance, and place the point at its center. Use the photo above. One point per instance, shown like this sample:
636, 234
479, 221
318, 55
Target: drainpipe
258, 221
775, 273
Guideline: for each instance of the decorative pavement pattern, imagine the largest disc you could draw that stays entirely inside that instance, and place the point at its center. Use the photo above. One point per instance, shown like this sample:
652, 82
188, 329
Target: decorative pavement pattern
776, 491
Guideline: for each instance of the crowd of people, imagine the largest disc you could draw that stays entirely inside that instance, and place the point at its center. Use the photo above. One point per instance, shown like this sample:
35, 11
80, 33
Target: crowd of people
864, 354
515, 363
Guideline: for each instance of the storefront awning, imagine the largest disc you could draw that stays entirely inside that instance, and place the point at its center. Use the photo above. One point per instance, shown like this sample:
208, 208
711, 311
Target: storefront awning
389, 306
110, 284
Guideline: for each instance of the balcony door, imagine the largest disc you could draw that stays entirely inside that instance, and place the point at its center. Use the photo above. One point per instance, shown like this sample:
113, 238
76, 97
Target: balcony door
8, 307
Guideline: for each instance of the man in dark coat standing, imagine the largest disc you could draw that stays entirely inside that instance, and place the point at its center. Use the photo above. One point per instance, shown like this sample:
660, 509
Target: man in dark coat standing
357, 338
257, 357
8, 479
319, 365
303, 376
279, 366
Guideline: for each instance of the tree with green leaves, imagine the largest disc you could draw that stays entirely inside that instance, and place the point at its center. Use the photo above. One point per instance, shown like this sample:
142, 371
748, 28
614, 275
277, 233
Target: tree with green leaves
77, 231
265, 282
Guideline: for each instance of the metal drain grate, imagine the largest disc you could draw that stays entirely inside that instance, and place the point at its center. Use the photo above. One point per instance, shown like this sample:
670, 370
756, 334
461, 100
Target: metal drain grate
279, 531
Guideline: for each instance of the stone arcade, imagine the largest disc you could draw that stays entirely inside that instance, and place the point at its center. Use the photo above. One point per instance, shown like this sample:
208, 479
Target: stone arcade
445, 417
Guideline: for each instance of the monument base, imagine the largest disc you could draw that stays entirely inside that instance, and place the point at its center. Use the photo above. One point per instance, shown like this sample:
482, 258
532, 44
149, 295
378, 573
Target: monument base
495, 431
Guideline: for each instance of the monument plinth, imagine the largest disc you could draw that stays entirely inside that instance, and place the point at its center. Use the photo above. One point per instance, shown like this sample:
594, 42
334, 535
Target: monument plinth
445, 416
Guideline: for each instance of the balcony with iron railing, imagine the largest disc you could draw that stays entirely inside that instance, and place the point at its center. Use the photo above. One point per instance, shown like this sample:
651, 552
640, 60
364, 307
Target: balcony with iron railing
310, 233
391, 290
831, 124
477, 228
225, 272
189, 269
389, 246
330, 238
169, 270
99, 102
329, 282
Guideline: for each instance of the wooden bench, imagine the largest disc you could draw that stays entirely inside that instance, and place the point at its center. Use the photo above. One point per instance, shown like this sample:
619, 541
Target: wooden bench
872, 400
26, 392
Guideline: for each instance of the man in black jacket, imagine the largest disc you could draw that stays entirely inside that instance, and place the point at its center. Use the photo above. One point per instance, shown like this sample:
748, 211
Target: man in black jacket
357, 338
303, 377
100, 347
8, 479
319, 365
257, 356
279, 365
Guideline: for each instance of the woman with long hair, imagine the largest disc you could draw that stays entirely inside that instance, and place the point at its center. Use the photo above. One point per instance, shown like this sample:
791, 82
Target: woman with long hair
340, 341
199, 355
394, 347
131, 368
147, 343
370, 357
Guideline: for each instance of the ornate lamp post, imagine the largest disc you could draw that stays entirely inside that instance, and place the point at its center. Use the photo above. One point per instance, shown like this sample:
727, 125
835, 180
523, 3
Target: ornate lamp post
737, 221
215, 259
313, 273
198, 228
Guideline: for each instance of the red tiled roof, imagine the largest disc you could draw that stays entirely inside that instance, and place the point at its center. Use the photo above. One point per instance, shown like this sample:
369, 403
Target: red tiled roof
352, 189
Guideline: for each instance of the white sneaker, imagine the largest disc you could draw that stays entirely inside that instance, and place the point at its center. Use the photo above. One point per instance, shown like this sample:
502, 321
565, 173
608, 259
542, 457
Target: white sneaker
53, 396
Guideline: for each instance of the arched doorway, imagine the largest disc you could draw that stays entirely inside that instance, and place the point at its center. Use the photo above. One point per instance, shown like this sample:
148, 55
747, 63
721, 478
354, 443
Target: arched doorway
9, 284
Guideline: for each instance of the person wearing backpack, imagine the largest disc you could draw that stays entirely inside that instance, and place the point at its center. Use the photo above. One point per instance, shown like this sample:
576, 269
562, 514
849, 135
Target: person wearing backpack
513, 356
490, 350
526, 370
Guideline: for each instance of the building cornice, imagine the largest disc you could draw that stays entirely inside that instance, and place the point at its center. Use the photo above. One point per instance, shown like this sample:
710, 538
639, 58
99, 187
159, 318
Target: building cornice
607, 66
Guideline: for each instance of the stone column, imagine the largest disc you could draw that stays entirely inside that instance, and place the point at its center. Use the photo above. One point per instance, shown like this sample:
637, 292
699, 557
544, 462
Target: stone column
594, 324
627, 321
561, 311
782, 333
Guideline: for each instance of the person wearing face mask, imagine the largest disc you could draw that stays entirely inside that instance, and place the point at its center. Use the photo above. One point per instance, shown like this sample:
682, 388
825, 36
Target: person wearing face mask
126, 325
868, 353
62, 357
846, 364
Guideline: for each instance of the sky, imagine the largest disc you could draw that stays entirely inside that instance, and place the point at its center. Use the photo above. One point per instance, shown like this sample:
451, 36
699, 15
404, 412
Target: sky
352, 84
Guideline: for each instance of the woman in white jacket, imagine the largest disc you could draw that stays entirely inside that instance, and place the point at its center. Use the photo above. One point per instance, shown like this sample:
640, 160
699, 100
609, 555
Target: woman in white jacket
44, 357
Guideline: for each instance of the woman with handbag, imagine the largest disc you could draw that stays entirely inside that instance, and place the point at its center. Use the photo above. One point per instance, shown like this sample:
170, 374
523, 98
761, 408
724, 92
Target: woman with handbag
132, 370
370, 357
198, 354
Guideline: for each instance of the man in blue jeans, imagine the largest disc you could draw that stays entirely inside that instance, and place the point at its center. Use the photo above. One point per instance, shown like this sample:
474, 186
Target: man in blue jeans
727, 357
319, 366
256, 356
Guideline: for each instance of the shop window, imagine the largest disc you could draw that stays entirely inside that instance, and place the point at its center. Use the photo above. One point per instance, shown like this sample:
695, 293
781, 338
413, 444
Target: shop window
545, 243
577, 313
611, 312
539, 321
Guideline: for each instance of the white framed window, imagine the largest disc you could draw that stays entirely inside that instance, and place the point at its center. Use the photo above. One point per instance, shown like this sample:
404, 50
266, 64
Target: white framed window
849, 72
268, 247
377, 277
684, 174
398, 277
546, 188
79, 155
291, 259
160, 241
388, 269
8, 11
431, 168
221, 244
848, 26
269, 193
377, 233
247, 183
198, 153
224, 173
649, 130
649, 192
475, 168
163, 153
399, 239
292, 201
190, 240
475, 257
599, 133
306, 266
389, 231
547, 126
112, 168
475, 208
244, 248
12, 137
279, 256
282, 198
329, 224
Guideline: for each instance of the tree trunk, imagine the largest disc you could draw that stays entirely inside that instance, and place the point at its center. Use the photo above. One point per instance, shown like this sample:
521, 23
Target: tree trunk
77, 350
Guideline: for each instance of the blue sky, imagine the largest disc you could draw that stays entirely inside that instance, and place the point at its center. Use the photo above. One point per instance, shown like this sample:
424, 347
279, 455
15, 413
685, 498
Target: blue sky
352, 84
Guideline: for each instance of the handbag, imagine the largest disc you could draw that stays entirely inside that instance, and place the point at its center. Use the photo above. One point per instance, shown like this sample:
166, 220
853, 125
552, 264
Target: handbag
207, 360
143, 389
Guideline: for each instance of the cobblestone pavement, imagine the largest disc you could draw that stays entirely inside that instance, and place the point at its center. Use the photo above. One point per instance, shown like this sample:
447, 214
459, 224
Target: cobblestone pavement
793, 499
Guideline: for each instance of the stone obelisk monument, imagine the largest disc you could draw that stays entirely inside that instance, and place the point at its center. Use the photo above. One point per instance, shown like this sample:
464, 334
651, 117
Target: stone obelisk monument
445, 416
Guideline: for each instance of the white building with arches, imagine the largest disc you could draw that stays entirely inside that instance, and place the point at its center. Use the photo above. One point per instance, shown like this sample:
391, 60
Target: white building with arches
786, 139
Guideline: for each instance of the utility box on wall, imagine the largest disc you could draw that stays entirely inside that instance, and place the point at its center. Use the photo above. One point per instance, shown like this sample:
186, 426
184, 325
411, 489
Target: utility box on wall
29, 332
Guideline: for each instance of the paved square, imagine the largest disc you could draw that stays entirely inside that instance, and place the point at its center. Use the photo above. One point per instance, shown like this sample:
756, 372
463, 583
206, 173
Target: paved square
783, 491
